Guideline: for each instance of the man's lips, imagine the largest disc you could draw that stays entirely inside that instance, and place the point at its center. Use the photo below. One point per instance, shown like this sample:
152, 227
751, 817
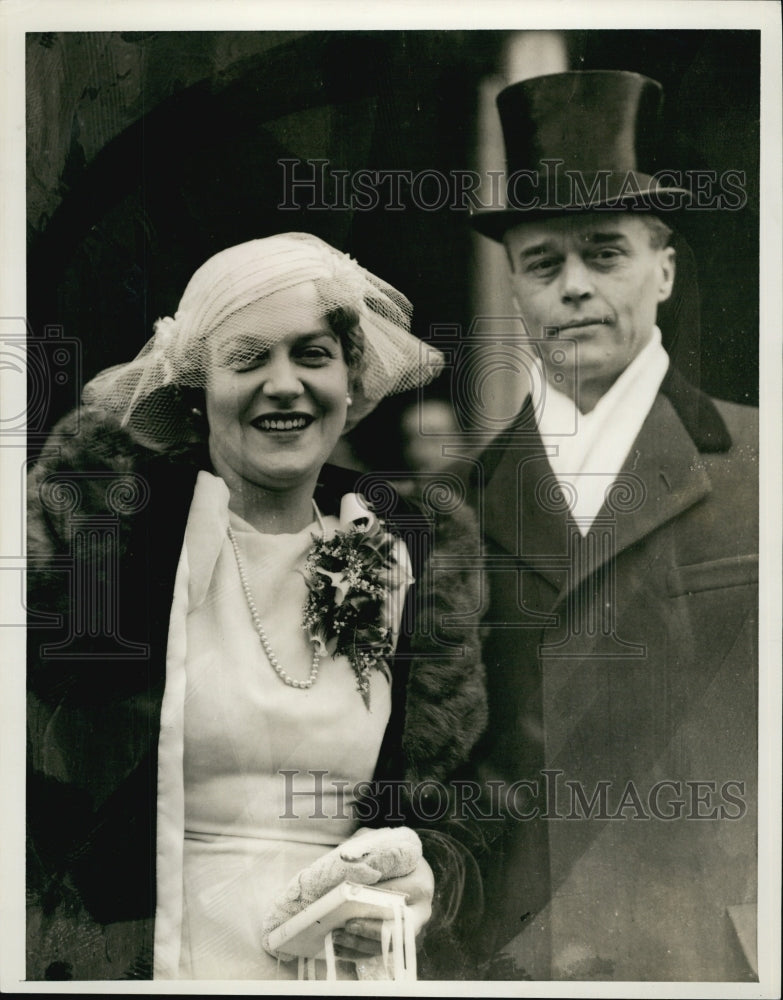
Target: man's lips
576, 325
282, 421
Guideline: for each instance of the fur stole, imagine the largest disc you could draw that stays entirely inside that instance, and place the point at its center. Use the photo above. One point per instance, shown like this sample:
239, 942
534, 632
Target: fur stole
92, 471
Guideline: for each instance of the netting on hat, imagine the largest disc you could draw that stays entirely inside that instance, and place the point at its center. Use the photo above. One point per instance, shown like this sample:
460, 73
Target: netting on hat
231, 311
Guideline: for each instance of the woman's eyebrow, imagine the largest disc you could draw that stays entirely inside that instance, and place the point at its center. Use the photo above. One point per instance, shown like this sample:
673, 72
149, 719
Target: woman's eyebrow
255, 343
244, 340
317, 334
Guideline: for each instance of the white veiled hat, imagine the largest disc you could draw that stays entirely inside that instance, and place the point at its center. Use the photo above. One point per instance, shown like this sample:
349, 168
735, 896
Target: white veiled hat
220, 307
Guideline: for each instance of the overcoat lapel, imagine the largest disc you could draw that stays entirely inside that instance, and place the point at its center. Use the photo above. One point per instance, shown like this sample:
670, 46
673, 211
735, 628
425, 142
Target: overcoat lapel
662, 476
522, 515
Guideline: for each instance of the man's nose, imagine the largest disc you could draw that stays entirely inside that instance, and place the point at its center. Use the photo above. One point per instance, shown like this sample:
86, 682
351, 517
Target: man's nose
576, 280
281, 378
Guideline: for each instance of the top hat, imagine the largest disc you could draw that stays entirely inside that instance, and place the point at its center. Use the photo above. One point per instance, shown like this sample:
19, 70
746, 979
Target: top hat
576, 141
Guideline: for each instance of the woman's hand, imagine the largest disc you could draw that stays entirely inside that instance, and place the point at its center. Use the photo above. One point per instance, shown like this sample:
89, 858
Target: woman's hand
362, 936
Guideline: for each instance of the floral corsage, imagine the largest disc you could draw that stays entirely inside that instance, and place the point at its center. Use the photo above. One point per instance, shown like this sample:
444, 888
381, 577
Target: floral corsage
354, 578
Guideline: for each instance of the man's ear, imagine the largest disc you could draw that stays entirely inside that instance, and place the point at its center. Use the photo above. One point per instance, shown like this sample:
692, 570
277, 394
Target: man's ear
668, 266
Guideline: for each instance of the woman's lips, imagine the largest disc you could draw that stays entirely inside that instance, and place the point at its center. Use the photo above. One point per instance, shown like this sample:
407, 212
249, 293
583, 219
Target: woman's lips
282, 422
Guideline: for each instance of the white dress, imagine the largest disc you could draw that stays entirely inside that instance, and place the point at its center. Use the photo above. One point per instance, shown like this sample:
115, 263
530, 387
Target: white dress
255, 777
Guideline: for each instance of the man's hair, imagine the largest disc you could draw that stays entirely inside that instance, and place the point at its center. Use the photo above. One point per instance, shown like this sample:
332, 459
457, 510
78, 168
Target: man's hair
660, 233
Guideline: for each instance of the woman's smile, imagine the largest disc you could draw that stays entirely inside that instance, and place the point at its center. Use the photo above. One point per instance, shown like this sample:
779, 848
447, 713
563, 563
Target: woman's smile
282, 422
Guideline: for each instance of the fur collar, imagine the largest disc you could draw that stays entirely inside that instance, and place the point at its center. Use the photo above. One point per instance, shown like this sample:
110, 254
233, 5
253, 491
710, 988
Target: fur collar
92, 468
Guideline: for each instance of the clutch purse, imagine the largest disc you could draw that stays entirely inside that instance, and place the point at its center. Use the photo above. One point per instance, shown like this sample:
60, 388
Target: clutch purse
308, 934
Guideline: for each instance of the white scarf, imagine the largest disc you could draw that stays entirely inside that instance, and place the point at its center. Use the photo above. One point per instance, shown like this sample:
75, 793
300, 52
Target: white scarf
591, 448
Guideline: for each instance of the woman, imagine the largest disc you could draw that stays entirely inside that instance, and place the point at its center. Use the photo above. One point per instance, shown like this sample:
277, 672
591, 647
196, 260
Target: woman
202, 729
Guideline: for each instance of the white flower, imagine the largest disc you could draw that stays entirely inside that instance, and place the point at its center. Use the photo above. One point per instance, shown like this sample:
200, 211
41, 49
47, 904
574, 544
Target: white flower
165, 328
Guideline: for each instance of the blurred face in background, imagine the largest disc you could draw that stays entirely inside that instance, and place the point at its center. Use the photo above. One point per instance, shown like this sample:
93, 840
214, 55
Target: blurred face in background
426, 428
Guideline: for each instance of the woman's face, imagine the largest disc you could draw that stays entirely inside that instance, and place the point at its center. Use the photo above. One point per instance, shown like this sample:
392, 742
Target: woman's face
276, 412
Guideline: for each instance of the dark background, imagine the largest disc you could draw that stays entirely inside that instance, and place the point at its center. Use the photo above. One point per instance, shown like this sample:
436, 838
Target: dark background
150, 151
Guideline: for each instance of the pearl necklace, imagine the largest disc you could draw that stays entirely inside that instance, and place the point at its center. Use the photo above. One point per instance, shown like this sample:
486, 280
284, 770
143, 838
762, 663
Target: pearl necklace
273, 660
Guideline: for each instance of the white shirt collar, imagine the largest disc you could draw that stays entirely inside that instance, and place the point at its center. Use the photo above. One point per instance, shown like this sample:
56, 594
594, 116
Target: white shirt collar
592, 447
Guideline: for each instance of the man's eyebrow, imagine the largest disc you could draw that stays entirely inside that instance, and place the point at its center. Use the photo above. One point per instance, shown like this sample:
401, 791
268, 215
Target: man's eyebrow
551, 246
537, 249
608, 237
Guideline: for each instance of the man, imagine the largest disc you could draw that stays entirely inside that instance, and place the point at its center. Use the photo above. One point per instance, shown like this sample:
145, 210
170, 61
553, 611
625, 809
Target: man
620, 516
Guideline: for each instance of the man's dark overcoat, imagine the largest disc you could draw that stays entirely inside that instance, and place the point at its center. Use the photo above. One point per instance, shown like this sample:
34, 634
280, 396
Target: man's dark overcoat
623, 677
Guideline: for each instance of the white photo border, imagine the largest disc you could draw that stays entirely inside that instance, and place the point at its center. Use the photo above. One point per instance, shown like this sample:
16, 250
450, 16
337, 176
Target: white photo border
20, 16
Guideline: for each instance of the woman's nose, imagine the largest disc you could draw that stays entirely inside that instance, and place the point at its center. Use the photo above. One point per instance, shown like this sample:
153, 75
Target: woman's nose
281, 379
576, 280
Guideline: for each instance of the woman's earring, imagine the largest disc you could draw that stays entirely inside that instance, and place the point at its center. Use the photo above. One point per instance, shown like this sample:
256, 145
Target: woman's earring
349, 400
196, 412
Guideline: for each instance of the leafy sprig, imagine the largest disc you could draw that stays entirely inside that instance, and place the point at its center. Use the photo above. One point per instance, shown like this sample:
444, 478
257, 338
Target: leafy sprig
346, 611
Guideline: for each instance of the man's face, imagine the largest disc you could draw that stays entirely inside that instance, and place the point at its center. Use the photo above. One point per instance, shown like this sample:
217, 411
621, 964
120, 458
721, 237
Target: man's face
596, 279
